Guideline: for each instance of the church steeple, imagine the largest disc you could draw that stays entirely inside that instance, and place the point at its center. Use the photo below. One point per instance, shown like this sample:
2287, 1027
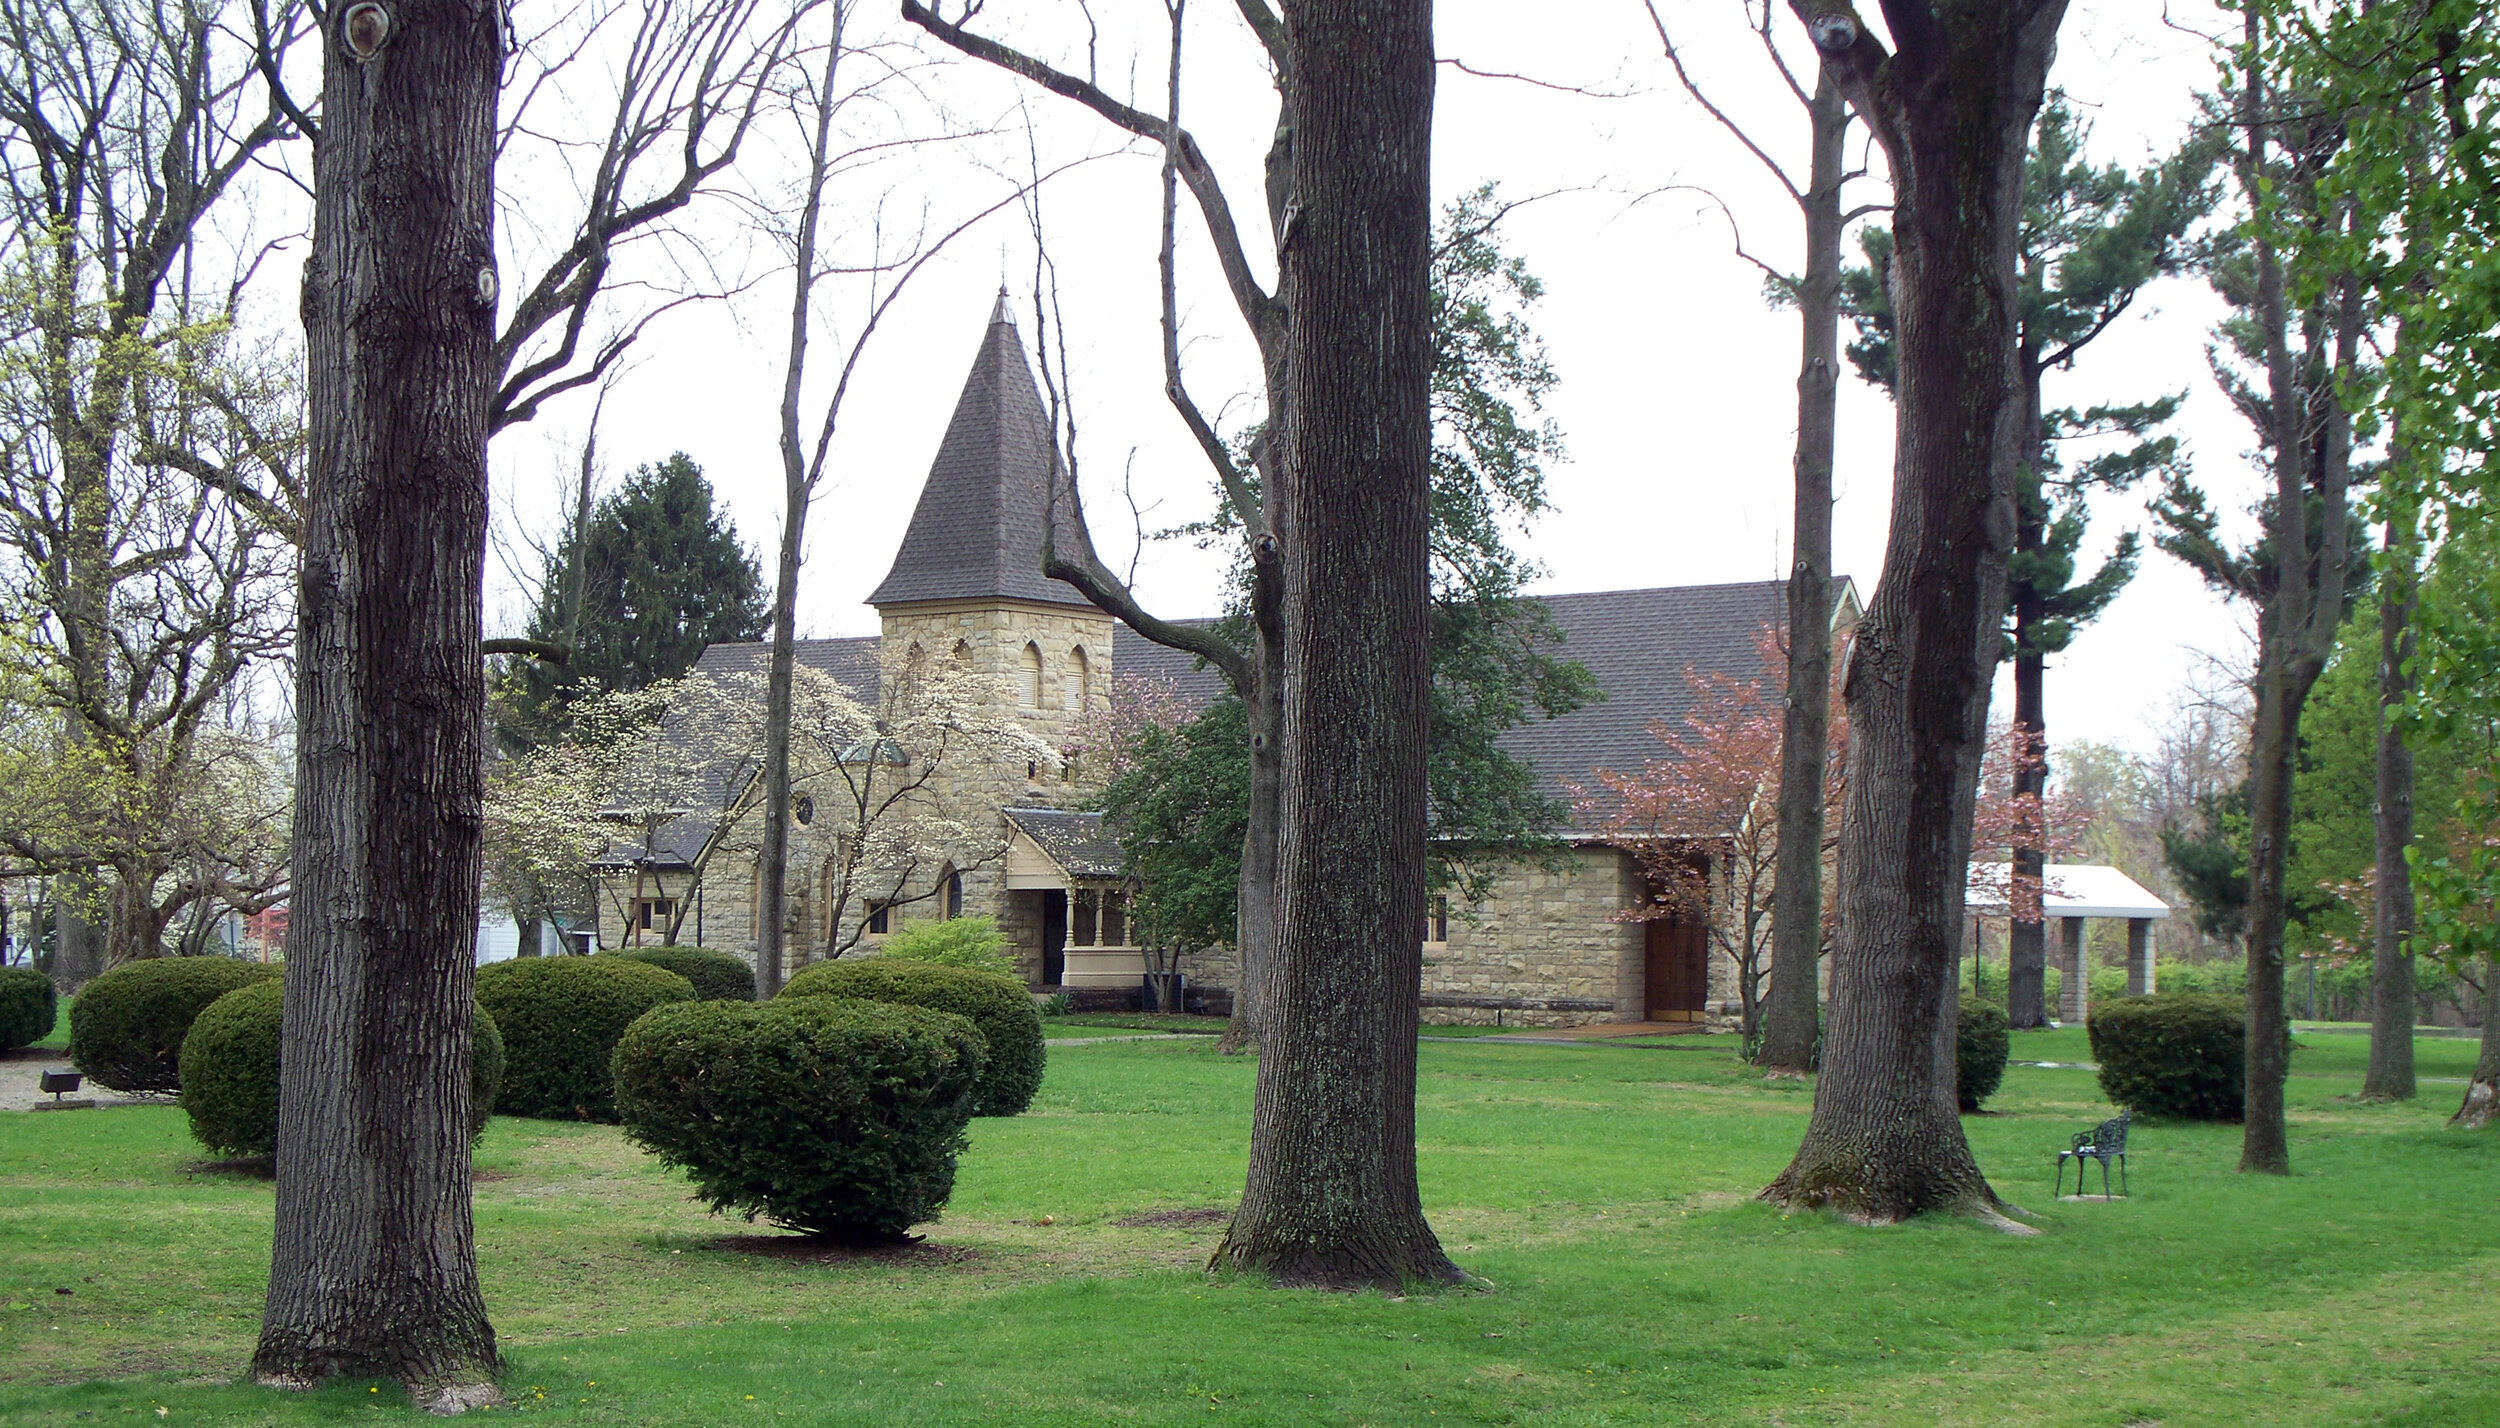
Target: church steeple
977, 532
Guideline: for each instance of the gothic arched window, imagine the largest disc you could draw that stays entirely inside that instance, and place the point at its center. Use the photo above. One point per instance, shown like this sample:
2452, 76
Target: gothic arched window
1079, 681
1032, 691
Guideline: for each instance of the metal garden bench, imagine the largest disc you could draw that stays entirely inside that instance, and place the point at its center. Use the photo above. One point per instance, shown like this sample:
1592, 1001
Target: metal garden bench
2105, 1142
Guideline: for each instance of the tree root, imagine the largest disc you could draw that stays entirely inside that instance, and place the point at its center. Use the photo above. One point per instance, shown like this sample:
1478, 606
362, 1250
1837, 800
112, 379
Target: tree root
2481, 1107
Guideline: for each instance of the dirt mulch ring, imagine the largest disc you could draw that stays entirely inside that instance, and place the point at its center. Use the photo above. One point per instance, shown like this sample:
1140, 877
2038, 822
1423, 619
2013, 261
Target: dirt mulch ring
805, 1250
1175, 1219
247, 1167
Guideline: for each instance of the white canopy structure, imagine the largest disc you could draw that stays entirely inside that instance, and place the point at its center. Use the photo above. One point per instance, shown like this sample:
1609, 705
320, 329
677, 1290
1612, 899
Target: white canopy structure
2072, 893
2072, 890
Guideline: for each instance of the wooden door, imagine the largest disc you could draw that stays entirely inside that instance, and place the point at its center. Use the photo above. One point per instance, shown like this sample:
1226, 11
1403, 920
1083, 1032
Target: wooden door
1677, 956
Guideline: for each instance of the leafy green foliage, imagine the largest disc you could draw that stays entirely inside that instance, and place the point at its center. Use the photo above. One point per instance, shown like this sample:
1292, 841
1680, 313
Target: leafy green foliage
28, 1007
1180, 809
126, 1027
560, 1018
2210, 862
2176, 1056
998, 1005
717, 976
661, 575
1980, 1048
230, 1071
973, 943
2092, 238
831, 1116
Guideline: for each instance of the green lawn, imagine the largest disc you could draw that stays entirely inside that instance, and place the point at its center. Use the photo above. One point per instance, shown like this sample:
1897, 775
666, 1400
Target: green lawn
1603, 1191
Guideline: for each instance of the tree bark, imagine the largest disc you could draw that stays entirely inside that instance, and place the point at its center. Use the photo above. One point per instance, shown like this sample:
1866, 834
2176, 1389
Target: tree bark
1792, 1012
2026, 940
77, 948
2482, 1094
374, 1270
2392, 1006
1255, 914
1952, 109
1331, 1196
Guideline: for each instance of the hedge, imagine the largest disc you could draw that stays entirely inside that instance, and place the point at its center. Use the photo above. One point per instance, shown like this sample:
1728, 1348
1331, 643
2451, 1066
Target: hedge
717, 976
2178, 1055
1980, 1048
28, 1007
969, 942
998, 1005
230, 1071
126, 1026
835, 1117
561, 1017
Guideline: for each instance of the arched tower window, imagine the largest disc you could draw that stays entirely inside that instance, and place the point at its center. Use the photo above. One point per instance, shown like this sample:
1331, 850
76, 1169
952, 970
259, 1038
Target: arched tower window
1079, 681
963, 654
1032, 691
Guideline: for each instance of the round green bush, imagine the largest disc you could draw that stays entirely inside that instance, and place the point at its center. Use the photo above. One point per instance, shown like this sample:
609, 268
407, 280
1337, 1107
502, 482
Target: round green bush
1980, 1047
230, 1071
835, 1117
998, 1005
28, 1007
126, 1026
2179, 1055
971, 942
561, 1017
717, 976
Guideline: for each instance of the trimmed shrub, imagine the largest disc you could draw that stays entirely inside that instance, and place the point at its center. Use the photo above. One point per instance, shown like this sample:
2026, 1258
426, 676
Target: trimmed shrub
126, 1027
560, 1018
230, 1071
998, 1005
1979, 1049
973, 943
2178, 1055
28, 1007
826, 1115
717, 976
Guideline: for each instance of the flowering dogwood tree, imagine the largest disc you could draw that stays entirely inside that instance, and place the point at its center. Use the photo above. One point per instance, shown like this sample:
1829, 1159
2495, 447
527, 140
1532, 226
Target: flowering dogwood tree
1704, 814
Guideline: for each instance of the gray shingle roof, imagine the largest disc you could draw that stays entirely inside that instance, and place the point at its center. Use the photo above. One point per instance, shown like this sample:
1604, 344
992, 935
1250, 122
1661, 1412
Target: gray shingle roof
1075, 841
1134, 654
977, 532
852, 662
1638, 644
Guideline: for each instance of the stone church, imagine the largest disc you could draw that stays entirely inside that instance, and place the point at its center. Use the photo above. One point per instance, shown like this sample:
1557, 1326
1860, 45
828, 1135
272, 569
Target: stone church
1543, 949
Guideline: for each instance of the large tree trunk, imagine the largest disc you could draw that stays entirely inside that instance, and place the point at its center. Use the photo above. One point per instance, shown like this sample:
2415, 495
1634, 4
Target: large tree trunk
1255, 911
2280, 696
1331, 1197
2482, 1094
1953, 109
1792, 1014
2026, 941
374, 1270
77, 943
773, 859
2390, 1077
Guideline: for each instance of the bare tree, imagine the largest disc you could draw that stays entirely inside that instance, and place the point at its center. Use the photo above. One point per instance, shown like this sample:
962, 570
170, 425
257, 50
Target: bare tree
1792, 1014
818, 80
1254, 665
373, 1270
1950, 103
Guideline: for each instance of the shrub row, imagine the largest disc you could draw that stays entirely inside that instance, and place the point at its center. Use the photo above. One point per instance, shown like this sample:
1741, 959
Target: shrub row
561, 1019
828, 1115
230, 1071
999, 1005
717, 976
28, 1007
127, 1025
1981, 1045
2178, 1055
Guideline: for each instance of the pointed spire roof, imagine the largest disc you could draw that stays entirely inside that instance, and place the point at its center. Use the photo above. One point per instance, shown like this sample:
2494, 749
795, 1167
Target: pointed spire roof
977, 532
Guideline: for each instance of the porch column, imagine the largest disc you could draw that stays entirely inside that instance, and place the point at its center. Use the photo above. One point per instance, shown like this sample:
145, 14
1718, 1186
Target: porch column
2073, 998
2139, 956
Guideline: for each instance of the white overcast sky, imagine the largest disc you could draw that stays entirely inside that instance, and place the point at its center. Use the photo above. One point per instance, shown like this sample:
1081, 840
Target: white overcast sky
1676, 396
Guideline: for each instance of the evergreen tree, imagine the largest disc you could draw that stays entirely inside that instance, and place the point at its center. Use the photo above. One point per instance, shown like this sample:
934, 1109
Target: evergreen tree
2091, 239
661, 575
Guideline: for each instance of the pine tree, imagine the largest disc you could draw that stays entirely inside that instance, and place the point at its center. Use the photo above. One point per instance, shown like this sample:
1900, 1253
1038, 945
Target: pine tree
661, 576
2091, 240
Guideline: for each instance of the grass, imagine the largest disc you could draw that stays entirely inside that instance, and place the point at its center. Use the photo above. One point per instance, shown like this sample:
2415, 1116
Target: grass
1602, 1191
